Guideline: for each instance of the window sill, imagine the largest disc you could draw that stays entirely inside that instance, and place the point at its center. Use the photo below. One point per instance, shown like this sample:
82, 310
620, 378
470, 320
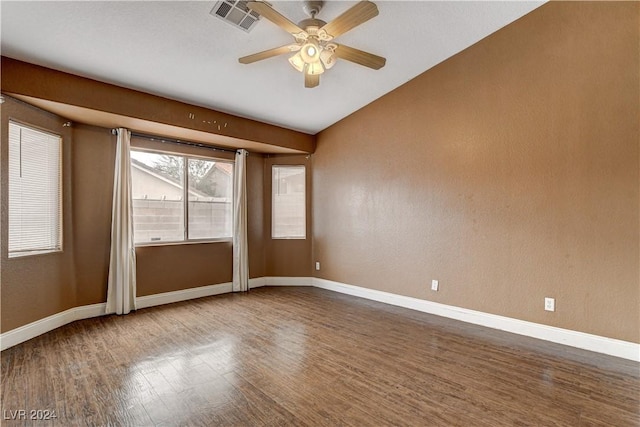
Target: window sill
17, 255
185, 242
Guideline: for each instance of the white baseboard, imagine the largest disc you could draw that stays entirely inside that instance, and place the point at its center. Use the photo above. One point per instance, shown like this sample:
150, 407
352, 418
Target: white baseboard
258, 282
39, 327
182, 295
221, 288
599, 344
596, 343
288, 281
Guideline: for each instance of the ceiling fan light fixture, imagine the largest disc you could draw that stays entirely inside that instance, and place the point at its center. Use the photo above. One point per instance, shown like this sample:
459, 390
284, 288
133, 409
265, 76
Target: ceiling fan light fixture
328, 58
314, 69
314, 49
297, 62
310, 51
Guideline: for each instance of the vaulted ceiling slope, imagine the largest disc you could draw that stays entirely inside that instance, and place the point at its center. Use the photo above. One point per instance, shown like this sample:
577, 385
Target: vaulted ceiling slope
178, 50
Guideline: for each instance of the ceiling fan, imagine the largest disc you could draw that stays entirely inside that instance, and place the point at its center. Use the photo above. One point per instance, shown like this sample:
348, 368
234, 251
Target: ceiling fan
314, 47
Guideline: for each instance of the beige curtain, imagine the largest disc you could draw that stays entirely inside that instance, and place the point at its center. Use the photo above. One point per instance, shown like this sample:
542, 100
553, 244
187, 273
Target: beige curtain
240, 252
121, 291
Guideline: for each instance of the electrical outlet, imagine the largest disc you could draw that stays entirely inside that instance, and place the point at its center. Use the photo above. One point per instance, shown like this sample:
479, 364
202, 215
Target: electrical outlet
317, 265
549, 304
434, 285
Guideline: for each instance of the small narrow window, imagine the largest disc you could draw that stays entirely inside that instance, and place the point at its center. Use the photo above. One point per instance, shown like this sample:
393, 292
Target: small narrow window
288, 202
35, 191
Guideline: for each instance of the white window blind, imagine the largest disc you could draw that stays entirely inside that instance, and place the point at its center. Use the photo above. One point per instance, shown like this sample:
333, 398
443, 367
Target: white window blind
288, 215
35, 191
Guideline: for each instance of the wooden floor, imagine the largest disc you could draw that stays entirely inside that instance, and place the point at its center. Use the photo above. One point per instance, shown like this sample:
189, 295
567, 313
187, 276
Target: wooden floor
306, 356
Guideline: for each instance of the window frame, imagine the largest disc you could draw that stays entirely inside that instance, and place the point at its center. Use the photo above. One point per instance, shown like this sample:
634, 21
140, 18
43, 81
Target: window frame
185, 198
288, 166
61, 171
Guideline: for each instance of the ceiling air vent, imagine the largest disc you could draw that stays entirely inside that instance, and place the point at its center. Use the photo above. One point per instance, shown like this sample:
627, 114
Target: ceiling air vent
236, 13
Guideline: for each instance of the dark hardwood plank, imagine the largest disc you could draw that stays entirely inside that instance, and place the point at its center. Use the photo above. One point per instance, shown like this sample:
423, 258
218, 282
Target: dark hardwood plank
308, 357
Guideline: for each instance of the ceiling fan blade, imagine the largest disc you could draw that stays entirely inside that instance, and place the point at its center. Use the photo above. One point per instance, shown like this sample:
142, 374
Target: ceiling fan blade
311, 80
272, 15
268, 53
360, 57
353, 17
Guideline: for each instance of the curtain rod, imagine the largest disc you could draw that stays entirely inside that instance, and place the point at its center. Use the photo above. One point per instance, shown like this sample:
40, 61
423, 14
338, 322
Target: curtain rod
177, 141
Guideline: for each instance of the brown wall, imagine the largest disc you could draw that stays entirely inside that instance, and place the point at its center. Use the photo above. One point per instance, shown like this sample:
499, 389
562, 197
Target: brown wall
287, 257
255, 219
173, 267
508, 172
92, 194
36, 286
21, 78
169, 268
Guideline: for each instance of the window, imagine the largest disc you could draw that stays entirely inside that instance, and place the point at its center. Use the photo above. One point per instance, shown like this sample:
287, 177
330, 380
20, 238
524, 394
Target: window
161, 182
288, 202
35, 191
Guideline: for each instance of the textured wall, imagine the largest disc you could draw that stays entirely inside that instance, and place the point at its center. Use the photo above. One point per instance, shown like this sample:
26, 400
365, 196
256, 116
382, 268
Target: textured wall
287, 257
508, 172
255, 219
94, 153
177, 267
21, 78
36, 286
169, 268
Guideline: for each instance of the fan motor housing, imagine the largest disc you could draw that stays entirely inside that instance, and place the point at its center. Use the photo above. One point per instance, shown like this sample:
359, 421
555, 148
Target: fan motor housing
311, 23
312, 7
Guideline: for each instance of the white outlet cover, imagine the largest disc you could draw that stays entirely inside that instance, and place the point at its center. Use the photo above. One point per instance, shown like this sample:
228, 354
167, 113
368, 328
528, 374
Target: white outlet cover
317, 265
434, 285
550, 304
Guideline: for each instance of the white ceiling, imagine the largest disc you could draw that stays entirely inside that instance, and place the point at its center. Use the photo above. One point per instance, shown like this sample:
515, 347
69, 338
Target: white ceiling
176, 49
